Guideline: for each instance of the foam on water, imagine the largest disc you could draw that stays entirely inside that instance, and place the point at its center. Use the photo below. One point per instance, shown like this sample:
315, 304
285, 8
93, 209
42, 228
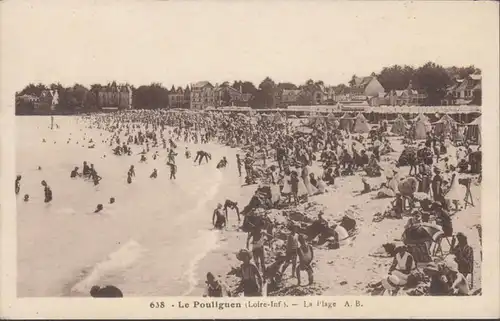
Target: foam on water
165, 225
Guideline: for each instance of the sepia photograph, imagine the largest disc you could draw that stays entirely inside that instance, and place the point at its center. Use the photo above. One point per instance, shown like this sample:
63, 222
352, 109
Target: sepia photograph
241, 150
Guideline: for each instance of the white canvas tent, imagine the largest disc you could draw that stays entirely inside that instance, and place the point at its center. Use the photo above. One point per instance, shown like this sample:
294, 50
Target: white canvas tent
446, 126
346, 122
421, 126
361, 124
399, 125
474, 130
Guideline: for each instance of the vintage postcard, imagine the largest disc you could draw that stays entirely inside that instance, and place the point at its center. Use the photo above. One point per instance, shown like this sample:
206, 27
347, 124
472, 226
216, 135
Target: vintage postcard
217, 159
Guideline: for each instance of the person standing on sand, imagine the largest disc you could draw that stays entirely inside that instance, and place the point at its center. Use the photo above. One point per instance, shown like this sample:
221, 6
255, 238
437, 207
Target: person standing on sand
258, 238
306, 255
292, 244
239, 163
251, 280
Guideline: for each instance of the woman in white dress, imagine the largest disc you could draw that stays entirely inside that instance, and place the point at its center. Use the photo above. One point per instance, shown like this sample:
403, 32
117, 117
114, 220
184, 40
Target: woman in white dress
456, 192
311, 190
302, 189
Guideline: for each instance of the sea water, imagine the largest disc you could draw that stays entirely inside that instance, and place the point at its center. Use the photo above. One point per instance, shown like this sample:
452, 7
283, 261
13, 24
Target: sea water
148, 243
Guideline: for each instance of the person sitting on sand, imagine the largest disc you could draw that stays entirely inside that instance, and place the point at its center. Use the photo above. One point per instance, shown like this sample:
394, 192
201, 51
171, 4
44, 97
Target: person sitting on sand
109, 291
222, 163
272, 273
251, 280
18, 184
232, 205
218, 219
154, 174
403, 264
47, 192
306, 255
457, 281
329, 176
215, 287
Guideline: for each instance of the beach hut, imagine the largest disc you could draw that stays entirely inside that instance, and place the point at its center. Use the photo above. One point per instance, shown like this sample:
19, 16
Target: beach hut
446, 126
346, 122
474, 130
361, 124
421, 126
399, 125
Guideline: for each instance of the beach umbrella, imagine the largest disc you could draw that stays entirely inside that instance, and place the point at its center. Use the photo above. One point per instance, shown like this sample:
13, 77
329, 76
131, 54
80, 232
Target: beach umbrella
421, 233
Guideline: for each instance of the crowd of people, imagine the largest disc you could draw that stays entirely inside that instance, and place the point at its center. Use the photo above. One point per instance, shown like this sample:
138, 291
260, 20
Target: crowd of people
289, 166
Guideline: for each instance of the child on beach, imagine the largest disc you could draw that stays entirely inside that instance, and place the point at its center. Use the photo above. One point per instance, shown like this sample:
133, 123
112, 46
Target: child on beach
306, 255
216, 288
251, 280
294, 183
232, 205
292, 244
257, 236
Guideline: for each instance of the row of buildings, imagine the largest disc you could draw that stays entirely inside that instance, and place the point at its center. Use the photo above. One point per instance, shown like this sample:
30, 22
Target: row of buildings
367, 90
362, 90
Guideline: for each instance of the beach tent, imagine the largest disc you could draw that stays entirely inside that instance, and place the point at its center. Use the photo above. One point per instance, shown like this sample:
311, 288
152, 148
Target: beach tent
361, 124
278, 118
346, 122
399, 125
474, 130
446, 126
421, 126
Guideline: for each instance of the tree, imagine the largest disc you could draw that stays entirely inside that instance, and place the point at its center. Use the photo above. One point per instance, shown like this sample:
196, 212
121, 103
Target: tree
268, 90
352, 82
477, 98
434, 80
287, 86
304, 98
396, 77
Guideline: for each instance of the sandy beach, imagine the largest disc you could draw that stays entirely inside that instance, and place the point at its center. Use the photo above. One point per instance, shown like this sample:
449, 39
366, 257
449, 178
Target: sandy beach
162, 242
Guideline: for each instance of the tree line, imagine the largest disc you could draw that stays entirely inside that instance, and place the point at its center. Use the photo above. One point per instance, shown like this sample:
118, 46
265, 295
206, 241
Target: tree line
431, 78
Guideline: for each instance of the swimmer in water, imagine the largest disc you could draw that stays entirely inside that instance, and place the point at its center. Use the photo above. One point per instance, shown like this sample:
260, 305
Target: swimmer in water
187, 153
39, 168
131, 170
112, 200
154, 174
218, 219
99, 208
232, 205
74, 173
129, 177
47, 192
26, 197
173, 170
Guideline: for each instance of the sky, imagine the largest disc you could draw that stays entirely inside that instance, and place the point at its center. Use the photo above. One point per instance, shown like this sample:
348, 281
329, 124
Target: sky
174, 42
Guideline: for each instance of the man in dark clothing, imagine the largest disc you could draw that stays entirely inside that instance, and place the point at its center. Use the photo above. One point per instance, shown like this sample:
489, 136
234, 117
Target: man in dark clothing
464, 255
